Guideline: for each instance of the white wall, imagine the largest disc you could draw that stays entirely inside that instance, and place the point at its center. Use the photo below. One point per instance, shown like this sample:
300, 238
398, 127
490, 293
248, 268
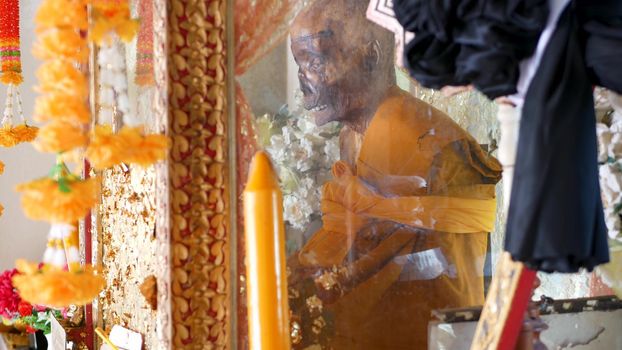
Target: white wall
19, 236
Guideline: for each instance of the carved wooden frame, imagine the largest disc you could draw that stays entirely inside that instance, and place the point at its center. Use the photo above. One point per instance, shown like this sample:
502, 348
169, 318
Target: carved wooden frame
196, 306
200, 244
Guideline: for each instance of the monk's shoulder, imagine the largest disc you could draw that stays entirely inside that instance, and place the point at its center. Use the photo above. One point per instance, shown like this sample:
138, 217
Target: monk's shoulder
407, 115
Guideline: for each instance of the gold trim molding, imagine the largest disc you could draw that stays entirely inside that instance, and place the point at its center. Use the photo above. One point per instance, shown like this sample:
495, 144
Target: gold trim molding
198, 170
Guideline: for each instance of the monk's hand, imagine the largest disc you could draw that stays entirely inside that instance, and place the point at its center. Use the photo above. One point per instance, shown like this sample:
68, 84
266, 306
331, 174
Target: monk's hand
296, 272
329, 284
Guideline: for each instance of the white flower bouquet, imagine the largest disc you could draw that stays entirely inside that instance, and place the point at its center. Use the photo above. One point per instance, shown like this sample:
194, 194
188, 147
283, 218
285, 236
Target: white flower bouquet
609, 132
303, 154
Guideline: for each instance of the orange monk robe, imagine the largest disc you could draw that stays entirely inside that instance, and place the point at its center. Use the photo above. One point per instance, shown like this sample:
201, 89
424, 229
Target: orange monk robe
406, 226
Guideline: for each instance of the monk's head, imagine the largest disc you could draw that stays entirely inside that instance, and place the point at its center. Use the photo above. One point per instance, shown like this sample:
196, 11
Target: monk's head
346, 62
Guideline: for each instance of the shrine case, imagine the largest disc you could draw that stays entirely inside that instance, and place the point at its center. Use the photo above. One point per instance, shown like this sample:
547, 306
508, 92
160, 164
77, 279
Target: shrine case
393, 206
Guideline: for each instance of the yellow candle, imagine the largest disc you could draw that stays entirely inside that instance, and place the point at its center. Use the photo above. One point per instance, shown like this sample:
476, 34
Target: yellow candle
268, 310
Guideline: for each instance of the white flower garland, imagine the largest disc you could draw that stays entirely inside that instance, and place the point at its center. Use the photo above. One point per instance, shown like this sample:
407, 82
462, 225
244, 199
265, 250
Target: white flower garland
303, 154
113, 95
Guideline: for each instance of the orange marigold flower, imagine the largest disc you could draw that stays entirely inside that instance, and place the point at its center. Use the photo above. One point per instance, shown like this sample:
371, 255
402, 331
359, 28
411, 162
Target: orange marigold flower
106, 149
54, 287
60, 76
144, 79
65, 108
1, 167
112, 17
151, 149
13, 135
128, 146
59, 201
58, 137
62, 13
124, 27
14, 78
26, 133
75, 156
66, 43
1, 209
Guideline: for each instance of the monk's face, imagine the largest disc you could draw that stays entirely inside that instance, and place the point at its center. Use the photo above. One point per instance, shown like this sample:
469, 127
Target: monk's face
332, 78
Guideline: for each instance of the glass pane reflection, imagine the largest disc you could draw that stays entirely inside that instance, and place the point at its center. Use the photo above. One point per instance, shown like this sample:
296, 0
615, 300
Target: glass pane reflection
389, 202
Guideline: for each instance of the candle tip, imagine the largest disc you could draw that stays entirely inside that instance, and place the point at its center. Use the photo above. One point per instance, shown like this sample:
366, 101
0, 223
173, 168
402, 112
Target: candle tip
261, 175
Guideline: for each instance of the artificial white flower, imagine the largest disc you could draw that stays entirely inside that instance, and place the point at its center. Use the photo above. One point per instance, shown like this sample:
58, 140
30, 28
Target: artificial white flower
307, 143
612, 219
120, 79
611, 184
106, 96
287, 134
604, 141
123, 103
289, 180
615, 146
307, 126
331, 149
277, 148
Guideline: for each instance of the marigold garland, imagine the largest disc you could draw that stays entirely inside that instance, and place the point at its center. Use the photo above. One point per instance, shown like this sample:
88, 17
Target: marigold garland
144, 45
62, 13
62, 78
63, 42
151, 148
26, 133
112, 17
13, 135
64, 200
65, 108
128, 146
59, 137
54, 287
10, 56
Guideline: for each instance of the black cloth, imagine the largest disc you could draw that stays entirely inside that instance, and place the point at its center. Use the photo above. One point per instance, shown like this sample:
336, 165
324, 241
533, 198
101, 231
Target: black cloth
555, 220
470, 42
601, 36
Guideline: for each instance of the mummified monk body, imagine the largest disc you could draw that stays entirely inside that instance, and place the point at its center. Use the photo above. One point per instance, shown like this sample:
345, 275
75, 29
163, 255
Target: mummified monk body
406, 217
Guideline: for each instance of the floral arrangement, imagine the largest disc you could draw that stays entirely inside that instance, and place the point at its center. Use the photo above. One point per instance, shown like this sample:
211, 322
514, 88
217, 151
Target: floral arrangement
303, 154
11, 75
63, 197
609, 131
56, 287
20, 313
130, 144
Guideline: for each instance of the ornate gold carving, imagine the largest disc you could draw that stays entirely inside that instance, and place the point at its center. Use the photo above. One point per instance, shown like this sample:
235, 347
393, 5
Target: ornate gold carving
497, 308
163, 236
198, 174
